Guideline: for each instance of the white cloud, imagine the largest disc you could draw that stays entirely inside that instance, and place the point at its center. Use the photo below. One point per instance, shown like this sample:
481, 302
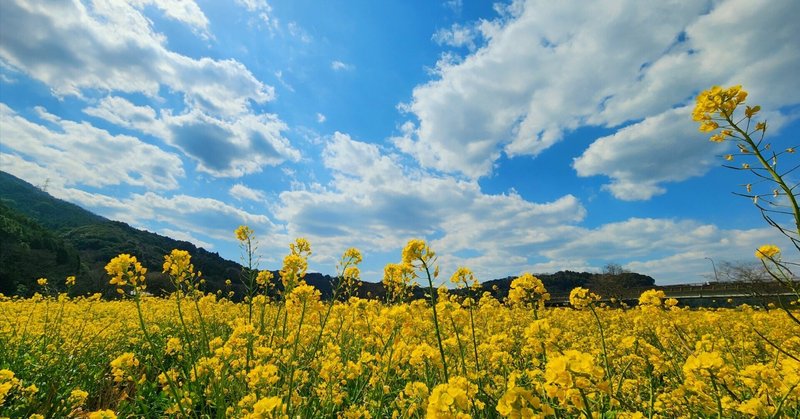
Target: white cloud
639, 157
321, 118
672, 251
231, 148
81, 154
112, 47
378, 204
207, 216
454, 5
662, 148
254, 5
182, 235
581, 66
299, 32
240, 191
185, 11
221, 147
375, 203
121, 112
337, 65
456, 36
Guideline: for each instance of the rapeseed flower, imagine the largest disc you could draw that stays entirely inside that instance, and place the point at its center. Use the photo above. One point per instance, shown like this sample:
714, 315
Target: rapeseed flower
581, 298
768, 251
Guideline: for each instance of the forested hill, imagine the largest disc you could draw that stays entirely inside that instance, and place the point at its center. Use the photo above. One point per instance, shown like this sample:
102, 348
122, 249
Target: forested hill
43, 236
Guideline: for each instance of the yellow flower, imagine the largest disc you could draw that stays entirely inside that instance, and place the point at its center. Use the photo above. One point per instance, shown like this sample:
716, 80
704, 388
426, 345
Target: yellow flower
302, 247
396, 279
173, 346
123, 366
263, 278
294, 269
103, 414
652, 298
42, 282
244, 233
518, 402
266, 407
463, 277
125, 269
178, 265
417, 251
352, 255
749, 112
526, 290
718, 103
769, 251
582, 297
572, 370
77, 397
452, 399
70, 281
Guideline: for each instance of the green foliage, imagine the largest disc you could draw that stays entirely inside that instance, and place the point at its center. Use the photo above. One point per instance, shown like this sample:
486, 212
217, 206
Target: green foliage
43, 236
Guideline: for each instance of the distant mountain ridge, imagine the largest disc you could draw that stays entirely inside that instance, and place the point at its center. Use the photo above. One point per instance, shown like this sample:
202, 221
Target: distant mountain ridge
74, 241
43, 236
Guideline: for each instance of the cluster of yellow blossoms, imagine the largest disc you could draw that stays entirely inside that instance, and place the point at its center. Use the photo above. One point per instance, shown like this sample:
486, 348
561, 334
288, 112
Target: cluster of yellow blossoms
195, 354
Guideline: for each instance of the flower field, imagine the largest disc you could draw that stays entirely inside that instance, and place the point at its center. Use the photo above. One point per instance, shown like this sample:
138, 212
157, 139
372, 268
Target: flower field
283, 352
200, 355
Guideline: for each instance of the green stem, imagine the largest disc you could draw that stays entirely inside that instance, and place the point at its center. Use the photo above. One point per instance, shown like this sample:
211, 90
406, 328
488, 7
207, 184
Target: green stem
172, 384
775, 176
436, 320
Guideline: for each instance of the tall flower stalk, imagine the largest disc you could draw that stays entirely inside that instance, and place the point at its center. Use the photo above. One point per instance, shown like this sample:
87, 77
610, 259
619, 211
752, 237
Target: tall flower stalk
718, 110
421, 258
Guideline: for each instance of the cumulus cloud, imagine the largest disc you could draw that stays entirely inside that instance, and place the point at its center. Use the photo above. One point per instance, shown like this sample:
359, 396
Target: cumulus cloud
580, 66
78, 153
123, 113
640, 157
672, 251
113, 47
240, 192
374, 202
456, 36
231, 147
221, 147
185, 11
378, 204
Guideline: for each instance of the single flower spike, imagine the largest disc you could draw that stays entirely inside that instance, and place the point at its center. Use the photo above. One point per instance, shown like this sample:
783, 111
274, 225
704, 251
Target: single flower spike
244, 233
769, 251
581, 298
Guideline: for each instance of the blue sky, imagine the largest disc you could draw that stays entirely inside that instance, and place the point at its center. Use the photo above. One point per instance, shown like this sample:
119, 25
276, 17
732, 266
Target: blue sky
523, 136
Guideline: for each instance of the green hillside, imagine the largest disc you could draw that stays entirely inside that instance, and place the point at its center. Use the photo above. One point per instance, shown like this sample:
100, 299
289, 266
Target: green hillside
43, 236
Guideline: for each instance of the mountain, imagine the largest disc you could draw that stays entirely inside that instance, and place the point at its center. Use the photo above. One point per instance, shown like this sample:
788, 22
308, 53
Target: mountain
43, 236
